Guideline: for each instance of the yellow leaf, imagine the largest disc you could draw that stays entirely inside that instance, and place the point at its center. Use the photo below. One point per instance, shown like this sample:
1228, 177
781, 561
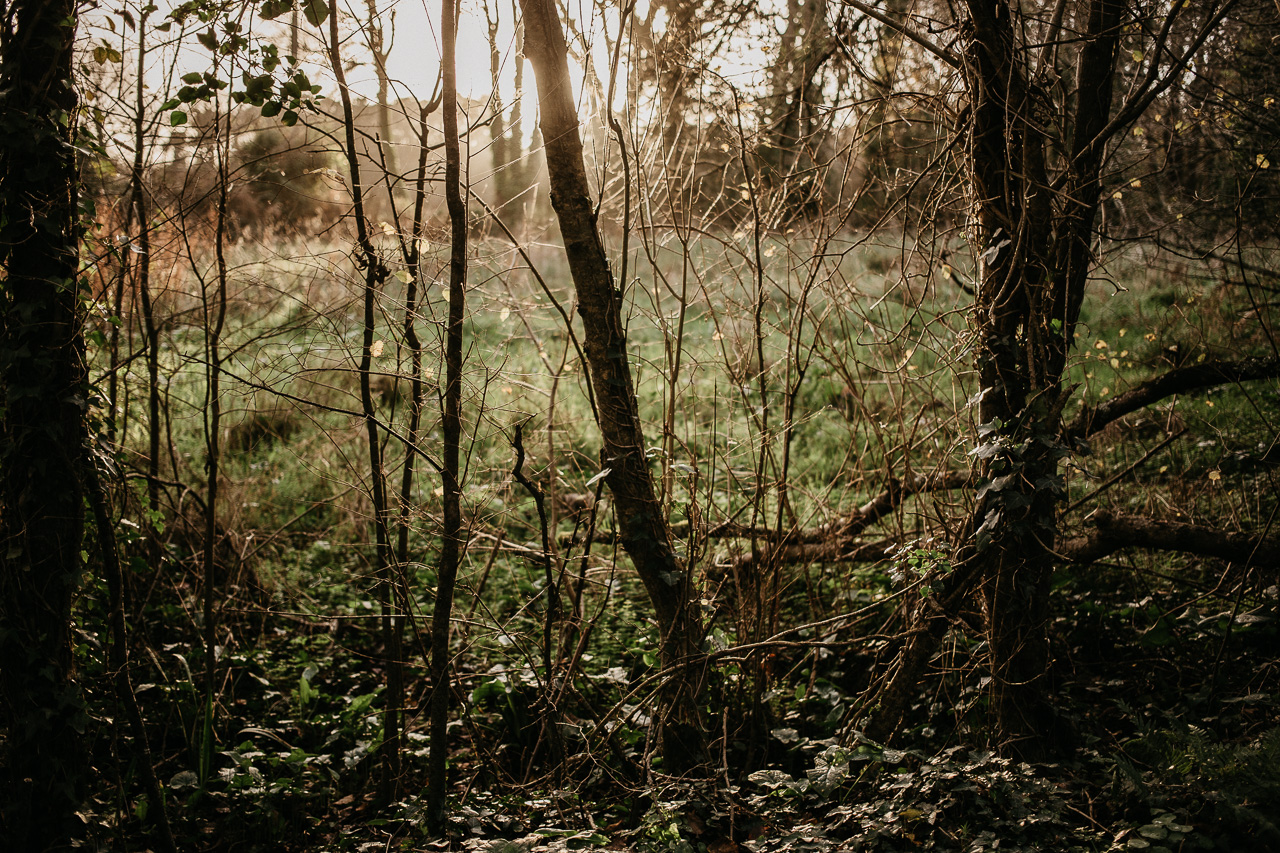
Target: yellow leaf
376, 349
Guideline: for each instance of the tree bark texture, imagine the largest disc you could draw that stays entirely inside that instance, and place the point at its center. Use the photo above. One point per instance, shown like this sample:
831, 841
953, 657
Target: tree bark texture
1112, 532
642, 527
43, 383
1033, 239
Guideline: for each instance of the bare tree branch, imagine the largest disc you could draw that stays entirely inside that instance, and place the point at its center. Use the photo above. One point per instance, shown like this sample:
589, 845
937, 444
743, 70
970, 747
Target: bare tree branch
1177, 381
1114, 532
937, 50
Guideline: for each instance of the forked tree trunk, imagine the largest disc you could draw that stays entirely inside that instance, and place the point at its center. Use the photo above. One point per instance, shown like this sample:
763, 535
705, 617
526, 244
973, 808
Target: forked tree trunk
643, 529
1032, 235
1033, 241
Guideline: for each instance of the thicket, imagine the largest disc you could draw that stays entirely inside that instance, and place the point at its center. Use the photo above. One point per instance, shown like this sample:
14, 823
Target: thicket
834, 425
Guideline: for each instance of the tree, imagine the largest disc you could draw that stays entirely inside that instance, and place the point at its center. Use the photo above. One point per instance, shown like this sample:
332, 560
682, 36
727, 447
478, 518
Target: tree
391, 589
1041, 119
795, 100
451, 424
643, 529
42, 435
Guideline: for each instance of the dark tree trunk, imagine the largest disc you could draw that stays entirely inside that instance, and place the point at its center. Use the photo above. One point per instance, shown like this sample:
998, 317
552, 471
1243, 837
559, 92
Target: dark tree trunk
643, 529
451, 425
1035, 187
390, 585
1033, 240
42, 379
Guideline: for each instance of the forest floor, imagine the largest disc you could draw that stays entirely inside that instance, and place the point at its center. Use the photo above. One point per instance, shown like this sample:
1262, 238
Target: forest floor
1164, 666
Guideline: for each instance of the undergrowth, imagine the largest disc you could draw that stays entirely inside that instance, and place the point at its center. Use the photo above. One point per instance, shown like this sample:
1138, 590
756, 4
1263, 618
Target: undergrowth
1164, 666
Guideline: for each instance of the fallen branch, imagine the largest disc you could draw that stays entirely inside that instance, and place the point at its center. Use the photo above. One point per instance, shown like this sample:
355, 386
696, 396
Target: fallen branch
832, 551
1114, 532
1180, 380
842, 531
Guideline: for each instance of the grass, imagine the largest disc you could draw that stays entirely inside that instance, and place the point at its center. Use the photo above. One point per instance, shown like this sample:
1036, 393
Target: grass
867, 345
867, 348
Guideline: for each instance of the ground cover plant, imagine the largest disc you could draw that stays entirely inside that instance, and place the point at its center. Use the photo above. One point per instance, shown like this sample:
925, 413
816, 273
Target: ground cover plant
809, 426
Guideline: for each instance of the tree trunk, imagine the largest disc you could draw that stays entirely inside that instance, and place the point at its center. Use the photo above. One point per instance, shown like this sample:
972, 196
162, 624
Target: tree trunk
390, 586
451, 425
643, 529
1034, 263
42, 379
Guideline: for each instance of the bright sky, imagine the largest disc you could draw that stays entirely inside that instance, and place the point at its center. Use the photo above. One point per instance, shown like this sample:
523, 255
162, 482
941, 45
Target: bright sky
415, 53
413, 30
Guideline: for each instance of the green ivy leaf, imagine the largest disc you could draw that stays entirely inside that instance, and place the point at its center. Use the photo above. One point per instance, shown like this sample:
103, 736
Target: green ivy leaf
177, 118
102, 54
274, 8
184, 779
315, 11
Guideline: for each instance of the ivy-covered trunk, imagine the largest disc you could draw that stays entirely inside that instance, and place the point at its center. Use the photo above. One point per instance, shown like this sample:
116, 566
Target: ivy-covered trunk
42, 382
1032, 235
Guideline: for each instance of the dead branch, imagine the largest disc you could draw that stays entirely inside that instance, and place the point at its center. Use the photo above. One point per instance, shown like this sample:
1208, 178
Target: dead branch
1113, 532
1177, 381
844, 550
